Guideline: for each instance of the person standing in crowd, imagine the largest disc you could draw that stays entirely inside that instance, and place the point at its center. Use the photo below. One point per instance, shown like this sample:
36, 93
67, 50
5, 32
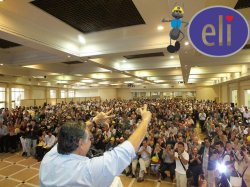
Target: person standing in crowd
204, 152
31, 138
3, 137
195, 165
73, 168
12, 137
181, 158
202, 119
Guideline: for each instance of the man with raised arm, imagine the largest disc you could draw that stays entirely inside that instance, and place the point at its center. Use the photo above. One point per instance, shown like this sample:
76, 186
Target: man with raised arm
66, 163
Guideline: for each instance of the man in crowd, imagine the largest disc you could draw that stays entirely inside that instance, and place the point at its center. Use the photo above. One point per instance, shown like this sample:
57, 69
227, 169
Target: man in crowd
181, 158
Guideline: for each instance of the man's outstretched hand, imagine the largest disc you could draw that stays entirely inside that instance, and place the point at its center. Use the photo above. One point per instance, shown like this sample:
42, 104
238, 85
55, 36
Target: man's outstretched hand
102, 118
145, 114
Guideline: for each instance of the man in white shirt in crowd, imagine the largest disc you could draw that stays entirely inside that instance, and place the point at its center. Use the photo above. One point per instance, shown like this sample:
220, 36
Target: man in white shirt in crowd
202, 119
50, 140
181, 158
246, 116
145, 153
66, 163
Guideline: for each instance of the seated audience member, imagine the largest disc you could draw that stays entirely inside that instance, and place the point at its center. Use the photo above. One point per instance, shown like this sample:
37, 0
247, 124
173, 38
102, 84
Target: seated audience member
168, 164
40, 149
50, 141
156, 159
144, 161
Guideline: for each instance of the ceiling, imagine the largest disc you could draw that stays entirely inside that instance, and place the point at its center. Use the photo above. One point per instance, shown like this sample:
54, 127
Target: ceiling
107, 43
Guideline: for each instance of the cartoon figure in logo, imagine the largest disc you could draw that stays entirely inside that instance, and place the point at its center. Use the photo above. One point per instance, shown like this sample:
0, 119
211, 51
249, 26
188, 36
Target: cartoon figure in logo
176, 23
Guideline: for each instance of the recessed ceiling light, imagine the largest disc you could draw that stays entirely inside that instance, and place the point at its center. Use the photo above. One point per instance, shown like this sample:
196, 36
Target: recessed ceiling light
81, 39
69, 56
62, 82
78, 75
128, 82
159, 81
87, 80
171, 57
160, 28
186, 43
105, 82
1, 64
1, 0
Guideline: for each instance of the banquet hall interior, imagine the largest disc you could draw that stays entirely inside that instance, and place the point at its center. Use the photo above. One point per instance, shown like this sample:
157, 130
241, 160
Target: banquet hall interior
63, 60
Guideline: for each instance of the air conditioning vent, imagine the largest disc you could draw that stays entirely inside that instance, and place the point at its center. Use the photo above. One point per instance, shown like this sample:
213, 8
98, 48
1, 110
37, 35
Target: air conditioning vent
7, 44
147, 55
92, 15
72, 62
242, 4
247, 46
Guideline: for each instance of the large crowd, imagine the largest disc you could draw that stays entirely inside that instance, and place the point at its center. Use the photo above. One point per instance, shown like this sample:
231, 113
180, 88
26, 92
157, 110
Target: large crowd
174, 149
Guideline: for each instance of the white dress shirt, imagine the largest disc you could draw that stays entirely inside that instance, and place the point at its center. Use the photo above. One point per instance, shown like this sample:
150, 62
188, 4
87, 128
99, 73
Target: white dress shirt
50, 141
3, 130
74, 170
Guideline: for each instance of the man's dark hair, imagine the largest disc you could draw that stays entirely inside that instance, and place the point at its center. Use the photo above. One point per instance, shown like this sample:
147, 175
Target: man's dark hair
220, 143
207, 140
69, 136
181, 143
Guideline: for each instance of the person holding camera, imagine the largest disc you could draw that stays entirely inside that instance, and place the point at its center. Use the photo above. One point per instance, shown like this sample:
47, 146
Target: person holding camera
181, 158
213, 155
223, 163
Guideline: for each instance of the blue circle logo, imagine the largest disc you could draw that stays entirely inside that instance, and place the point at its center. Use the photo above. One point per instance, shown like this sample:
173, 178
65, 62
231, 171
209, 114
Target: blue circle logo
218, 31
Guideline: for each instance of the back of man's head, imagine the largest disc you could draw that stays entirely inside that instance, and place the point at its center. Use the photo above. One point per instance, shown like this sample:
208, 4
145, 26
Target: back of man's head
69, 136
